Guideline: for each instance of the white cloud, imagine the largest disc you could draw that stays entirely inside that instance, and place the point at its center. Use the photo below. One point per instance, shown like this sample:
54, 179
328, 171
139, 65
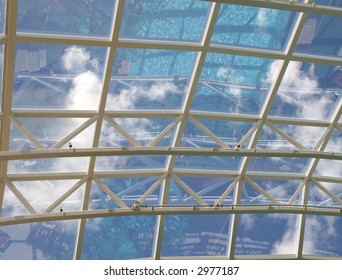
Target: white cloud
85, 92
75, 59
127, 99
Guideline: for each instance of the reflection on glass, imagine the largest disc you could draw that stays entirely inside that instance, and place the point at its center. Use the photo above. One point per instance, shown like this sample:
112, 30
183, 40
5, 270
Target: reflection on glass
188, 235
253, 27
42, 194
128, 190
261, 234
208, 189
308, 91
82, 17
280, 190
48, 165
233, 84
229, 132
57, 76
323, 235
119, 238
319, 198
143, 130
275, 164
208, 162
321, 35
149, 79
39, 241
169, 20
129, 162
45, 132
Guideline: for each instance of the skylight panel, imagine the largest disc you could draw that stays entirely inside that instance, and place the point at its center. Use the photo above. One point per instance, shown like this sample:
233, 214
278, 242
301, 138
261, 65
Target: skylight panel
233, 84
164, 20
253, 27
57, 76
149, 79
320, 35
63, 17
308, 91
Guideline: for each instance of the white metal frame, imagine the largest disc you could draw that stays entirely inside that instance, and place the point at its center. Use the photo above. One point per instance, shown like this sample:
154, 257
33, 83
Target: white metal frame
11, 116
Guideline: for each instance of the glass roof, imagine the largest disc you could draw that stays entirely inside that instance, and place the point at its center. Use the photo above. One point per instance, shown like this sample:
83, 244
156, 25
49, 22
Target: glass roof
164, 129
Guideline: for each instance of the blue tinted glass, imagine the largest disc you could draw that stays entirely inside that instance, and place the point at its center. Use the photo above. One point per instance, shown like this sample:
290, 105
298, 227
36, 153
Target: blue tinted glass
119, 238
207, 162
319, 198
228, 132
189, 236
208, 189
57, 76
321, 35
234, 84
323, 235
127, 189
309, 91
149, 79
181, 20
130, 162
253, 27
263, 234
39, 241
295, 165
80, 17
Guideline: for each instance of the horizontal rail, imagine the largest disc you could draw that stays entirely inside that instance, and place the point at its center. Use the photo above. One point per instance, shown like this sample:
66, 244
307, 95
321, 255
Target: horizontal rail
166, 151
173, 210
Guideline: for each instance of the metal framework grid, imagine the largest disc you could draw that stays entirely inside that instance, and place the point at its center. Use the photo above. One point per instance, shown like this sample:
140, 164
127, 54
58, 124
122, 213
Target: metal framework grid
10, 116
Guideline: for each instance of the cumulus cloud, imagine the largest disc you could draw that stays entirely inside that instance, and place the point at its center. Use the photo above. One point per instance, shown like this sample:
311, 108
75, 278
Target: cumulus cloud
128, 98
77, 60
301, 90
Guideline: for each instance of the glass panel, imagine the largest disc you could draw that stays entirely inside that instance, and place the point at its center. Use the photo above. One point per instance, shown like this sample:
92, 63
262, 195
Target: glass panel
328, 167
133, 238
281, 190
11, 205
45, 132
39, 241
41, 194
208, 189
128, 190
129, 162
308, 91
321, 35
82, 17
149, 79
275, 164
207, 162
269, 139
170, 20
48, 165
307, 136
336, 3
234, 84
189, 236
57, 76
323, 235
335, 142
229, 132
319, 198
260, 234
143, 130
253, 27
